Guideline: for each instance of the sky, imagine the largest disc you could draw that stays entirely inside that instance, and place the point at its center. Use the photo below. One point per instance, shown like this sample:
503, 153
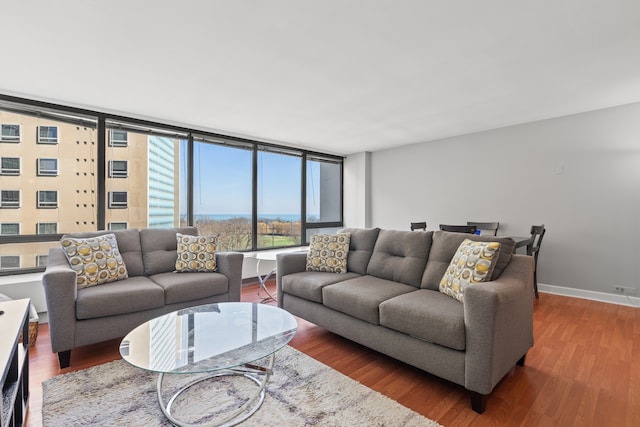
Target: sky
222, 183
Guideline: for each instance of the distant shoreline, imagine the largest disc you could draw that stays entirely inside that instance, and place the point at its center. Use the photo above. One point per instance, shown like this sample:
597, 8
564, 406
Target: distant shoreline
269, 217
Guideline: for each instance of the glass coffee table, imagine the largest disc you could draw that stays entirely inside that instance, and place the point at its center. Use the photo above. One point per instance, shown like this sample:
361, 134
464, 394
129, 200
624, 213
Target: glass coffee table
217, 339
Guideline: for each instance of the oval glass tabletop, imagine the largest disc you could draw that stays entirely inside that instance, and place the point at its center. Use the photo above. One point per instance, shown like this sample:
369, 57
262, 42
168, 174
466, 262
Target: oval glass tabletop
208, 338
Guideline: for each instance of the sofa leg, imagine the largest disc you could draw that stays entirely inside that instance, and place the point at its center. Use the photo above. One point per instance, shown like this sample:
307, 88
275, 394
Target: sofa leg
64, 358
521, 361
479, 402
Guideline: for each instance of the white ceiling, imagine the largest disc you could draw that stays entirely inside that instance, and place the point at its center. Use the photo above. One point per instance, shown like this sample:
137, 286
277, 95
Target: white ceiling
339, 76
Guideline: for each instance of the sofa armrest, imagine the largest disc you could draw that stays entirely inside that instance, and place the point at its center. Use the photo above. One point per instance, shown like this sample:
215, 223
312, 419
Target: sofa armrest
230, 264
498, 318
60, 290
287, 263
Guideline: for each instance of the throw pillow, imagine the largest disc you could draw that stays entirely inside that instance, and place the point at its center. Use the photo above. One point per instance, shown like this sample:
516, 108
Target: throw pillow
328, 252
196, 253
95, 260
473, 262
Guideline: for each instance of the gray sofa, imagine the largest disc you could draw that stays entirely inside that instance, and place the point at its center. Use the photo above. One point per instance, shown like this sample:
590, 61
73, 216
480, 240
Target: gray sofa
389, 300
98, 313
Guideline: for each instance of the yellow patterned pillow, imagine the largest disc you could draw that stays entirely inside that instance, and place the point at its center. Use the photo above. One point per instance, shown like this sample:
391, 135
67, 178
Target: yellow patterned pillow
473, 262
196, 253
328, 252
95, 260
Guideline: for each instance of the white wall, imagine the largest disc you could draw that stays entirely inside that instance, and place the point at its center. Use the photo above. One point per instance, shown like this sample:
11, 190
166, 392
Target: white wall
356, 189
579, 175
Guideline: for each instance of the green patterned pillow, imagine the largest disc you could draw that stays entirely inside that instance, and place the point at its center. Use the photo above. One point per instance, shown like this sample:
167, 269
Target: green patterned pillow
196, 253
328, 252
95, 260
473, 262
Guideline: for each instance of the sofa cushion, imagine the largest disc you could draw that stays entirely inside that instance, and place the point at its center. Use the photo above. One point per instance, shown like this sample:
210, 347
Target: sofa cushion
183, 288
328, 252
427, 315
159, 248
124, 296
400, 256
96, 260
360, 248
473, 262
361, 296
196, 253
445, 244
128, 245
309, 284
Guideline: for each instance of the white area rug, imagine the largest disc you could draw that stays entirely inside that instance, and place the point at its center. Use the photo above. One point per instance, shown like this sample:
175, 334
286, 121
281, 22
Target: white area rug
301, 392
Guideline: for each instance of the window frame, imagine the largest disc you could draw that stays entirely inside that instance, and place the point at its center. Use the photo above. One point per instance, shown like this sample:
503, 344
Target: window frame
40, 171
117, 173
10, 204
10, 138
2, 224
8, 171
113, 204
3, 257
40, 204
39, 224
115, 142
47, 139
102, 122
125, 223
39, 261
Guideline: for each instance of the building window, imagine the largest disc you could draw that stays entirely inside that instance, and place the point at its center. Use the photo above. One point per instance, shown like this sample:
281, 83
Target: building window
9, 261
47, 228
47, 167
10, 199
10, 166
118, 138
9, 133
47, 134
115, 226
118, 169
9, 229
117, 199
41, 260
47, 199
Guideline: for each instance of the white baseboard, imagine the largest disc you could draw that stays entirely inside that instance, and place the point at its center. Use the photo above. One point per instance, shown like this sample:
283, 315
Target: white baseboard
631, 301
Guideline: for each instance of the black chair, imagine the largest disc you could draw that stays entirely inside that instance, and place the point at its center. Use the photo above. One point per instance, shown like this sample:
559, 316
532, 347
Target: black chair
418, 226
533, 249
470, 229
486, 228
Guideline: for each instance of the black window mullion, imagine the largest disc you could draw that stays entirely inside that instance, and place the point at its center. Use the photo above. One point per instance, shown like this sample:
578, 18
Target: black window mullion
101, 203
254, 199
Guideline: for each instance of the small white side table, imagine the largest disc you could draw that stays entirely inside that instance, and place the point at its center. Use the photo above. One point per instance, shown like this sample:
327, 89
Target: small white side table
270, 256
265, 256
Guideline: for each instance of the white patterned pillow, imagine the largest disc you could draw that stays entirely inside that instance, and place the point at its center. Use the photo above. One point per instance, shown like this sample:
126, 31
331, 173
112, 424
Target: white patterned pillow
196, 253
473, 262
328, 252
95, 260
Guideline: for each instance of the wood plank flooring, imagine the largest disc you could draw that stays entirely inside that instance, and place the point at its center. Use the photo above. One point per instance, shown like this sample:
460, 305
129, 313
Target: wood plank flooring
584, 370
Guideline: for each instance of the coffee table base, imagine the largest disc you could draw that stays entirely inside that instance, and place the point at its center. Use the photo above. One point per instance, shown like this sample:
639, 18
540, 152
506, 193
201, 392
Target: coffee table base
258, 374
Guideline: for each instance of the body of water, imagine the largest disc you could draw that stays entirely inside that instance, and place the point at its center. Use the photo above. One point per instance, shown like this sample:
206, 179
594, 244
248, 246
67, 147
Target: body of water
269, 217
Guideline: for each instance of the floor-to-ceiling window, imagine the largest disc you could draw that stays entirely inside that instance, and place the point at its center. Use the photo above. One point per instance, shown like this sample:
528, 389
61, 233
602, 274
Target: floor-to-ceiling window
64, 170
278, 197
222, 191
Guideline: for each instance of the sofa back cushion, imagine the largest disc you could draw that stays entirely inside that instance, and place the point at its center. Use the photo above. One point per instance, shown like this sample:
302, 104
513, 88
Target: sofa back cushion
400, 256
445, 244
128, 246
159, 248
360, 248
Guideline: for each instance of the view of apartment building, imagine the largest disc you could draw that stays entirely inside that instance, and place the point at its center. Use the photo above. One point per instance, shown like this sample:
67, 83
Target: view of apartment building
48, 182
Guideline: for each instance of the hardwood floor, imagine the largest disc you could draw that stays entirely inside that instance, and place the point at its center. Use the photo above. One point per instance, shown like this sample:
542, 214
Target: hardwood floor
584, 370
